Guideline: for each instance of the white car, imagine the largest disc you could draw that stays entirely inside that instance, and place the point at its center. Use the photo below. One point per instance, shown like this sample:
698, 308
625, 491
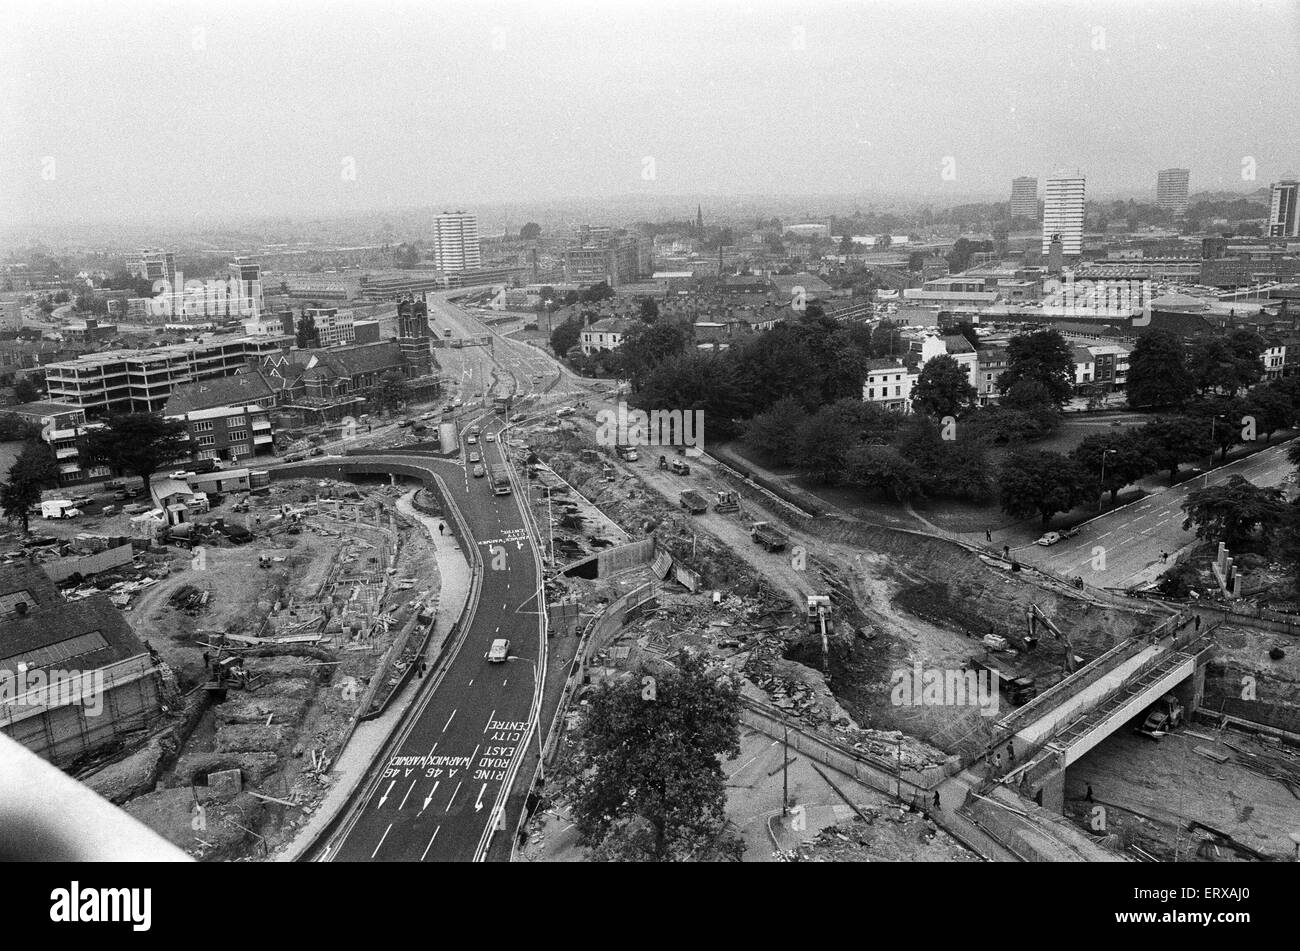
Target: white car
499, 652
1051, 538
490, 437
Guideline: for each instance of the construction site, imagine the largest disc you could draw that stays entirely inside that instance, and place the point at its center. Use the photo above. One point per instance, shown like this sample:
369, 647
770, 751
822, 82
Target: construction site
273, 641
1098, 699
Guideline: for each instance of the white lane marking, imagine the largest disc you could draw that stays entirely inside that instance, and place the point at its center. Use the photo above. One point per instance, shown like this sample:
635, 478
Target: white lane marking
429, 798
506, 681
381, 840
449, 719
407, 796
430, 845
452, 799
471, 682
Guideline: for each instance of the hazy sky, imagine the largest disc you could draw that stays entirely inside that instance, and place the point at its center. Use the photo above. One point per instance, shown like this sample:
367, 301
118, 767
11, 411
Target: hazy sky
129, 109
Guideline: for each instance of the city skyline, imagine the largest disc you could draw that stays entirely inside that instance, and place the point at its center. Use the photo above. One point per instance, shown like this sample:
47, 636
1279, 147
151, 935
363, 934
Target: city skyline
634, 113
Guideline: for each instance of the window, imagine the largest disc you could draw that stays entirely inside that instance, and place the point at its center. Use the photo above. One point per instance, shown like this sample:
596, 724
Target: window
207, 440
202, 426
898, 391
871, 392
235, 421
238, 435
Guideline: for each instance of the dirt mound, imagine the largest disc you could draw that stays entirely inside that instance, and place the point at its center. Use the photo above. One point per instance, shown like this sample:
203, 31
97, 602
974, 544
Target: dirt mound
239, 737
193, 768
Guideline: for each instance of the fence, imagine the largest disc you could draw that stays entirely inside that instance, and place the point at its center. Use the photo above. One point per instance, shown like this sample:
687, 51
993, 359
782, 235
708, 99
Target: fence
89, 564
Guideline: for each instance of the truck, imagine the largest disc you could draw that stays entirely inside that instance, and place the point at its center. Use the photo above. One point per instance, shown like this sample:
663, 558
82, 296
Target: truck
677, 467
626, 453
500, 479
767, 536
1015, 690
694, 502
501, 405
59, 508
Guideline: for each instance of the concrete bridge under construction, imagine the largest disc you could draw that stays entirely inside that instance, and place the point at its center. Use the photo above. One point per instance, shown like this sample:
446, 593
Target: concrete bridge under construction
1060, 725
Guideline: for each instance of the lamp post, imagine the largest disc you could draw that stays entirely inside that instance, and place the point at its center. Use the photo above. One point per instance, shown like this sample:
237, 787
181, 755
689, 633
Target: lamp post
1101, 499
1213, 420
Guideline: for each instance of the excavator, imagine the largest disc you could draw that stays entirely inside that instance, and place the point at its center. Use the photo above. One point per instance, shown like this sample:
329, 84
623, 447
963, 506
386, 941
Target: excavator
1036, 616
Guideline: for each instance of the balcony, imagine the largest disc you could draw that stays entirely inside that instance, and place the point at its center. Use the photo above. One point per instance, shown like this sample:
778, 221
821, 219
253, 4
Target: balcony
68, 453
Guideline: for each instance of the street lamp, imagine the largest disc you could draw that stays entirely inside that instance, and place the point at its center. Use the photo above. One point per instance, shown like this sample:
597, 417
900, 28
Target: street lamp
1213, 420
1101, 499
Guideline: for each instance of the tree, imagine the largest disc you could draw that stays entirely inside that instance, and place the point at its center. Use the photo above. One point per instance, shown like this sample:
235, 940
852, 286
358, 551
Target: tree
1175, 439
649, 310
33, 470
1030, 397
695, 381
952, 468
824, 443
391, 393
138, 442
1157, 371
530, 231
774, 433
1042, 483
649, 751
1042, 356
597, 293
916, 261
1272, 408
1233, 512
645, 346
1127, 459
565, 337
883, 468
307, 335
943, 388
25, 391
1222, 418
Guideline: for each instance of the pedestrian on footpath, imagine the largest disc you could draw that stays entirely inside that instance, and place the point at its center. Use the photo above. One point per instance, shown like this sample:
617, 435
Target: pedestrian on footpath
1164, 558
1006, 551
441, 528
988, 536
937, 805
1011, 754
1087, 796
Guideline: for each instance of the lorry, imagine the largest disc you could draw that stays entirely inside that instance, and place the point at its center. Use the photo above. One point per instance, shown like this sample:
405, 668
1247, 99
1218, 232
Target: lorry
500, 479
1015, 690
677, 467
694, 502
626, 453
764, 534
59, 508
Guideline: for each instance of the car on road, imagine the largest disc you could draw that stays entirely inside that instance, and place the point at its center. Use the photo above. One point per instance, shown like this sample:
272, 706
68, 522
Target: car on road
517, 417
471, 440
475, 457
82, 500
178, 474
1051, 538
490, 437
478, 471
499, 652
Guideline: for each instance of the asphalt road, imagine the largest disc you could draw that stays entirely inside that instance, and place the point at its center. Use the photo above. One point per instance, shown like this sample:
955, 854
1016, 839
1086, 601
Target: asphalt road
1122, 548
434, 798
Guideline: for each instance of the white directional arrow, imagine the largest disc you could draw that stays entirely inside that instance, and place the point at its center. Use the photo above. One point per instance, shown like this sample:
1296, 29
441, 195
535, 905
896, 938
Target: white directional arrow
429, 798
384, 797
478, 805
